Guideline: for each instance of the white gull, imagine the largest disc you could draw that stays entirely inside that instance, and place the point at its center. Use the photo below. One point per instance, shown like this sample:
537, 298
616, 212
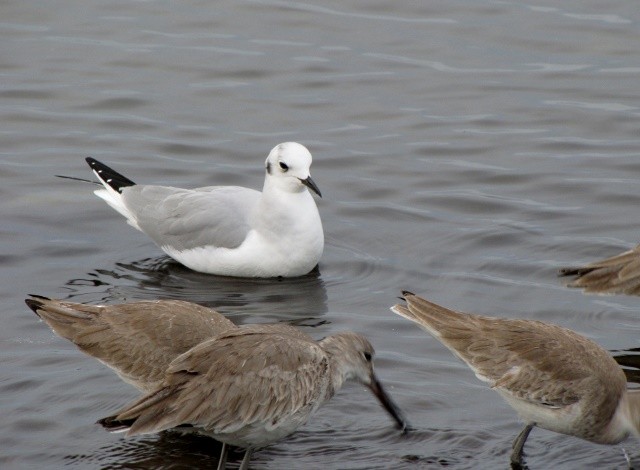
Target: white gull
229, 230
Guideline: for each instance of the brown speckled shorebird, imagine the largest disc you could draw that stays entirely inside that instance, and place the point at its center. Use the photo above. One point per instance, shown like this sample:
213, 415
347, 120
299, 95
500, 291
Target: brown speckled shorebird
619, 274
553, 377
244, 386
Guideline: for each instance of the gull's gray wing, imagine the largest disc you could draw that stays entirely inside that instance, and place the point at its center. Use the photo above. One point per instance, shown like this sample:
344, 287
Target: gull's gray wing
189, 218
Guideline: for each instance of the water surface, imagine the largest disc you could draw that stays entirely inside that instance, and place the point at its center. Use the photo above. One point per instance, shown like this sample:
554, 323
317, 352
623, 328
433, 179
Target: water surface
465, 151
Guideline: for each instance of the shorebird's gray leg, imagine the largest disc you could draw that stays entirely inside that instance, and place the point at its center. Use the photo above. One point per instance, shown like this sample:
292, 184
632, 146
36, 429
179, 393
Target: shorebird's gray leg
245, 461
518, 444
222, 463
627, 457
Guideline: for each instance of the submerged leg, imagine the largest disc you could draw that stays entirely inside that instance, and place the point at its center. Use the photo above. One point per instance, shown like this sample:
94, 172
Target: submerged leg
627, 458
245, 461
518, 444
222, 463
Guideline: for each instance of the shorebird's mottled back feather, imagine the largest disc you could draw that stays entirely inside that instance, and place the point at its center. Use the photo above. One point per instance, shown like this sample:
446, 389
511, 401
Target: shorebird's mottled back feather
234, 381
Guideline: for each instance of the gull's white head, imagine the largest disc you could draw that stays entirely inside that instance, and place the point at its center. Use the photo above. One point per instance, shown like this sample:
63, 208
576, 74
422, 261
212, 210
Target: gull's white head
288, 168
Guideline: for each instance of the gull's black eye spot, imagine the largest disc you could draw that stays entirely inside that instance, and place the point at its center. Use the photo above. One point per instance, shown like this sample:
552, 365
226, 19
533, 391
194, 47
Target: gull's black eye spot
284, 166
367, 356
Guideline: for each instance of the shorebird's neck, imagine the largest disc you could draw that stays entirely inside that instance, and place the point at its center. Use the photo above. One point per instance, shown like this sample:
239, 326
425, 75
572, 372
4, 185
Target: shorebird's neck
343, 356
331, 346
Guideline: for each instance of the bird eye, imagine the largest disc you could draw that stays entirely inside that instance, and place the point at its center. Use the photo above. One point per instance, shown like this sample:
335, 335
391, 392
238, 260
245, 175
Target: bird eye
284, 166
367, 356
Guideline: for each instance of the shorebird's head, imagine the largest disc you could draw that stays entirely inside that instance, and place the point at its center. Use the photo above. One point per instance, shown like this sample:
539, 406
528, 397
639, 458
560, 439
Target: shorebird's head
288, 167
352, 358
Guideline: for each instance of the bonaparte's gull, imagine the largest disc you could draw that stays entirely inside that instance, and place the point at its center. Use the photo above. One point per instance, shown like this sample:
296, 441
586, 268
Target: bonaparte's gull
229, 230
553, 377
247, 387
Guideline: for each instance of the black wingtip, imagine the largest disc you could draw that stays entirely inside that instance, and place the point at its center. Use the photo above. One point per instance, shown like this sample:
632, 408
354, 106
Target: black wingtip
41, 297
108, 175
562, 272
111, 424
405, 293
572, 271
35, 302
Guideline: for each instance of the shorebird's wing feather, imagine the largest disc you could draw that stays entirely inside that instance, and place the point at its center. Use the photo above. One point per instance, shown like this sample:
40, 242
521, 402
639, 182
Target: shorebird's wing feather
528, 383
234, 381
618, 274
138, 340
527, 359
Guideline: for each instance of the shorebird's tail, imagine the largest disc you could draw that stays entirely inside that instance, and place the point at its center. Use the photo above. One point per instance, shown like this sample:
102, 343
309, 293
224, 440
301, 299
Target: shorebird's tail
68, 320
151, 413
430, 316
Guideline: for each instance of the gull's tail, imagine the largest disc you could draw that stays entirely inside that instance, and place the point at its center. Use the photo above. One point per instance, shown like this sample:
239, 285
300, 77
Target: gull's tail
113, 183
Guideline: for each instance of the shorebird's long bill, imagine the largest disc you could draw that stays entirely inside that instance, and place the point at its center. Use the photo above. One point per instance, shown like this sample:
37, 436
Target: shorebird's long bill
309, 183
389, 405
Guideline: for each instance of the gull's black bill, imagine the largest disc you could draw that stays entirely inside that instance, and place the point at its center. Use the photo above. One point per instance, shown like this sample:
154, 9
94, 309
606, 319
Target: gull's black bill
309, 183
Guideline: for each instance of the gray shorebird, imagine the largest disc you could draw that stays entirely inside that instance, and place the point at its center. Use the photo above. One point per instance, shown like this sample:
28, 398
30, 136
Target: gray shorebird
229, 230
245, 386
553, 377
619, 274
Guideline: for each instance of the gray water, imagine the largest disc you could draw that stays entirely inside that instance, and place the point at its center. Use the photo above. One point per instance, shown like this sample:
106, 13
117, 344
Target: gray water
465, 151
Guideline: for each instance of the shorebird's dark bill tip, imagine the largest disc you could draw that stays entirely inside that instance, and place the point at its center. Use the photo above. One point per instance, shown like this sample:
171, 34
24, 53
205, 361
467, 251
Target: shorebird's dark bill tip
389, 405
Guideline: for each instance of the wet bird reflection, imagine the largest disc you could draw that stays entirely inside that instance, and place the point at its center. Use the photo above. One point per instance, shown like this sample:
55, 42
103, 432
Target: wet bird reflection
276, 299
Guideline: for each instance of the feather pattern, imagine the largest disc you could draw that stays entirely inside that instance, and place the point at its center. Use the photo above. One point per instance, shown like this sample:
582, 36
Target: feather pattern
247, 386
554, 377
137, 340
232, 387
229, 230
619, 274
183, 219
